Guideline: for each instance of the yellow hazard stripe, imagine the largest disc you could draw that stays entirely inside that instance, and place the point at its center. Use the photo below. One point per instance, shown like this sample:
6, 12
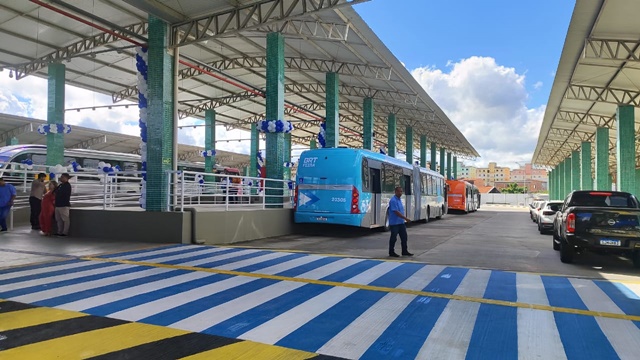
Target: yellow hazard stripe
92, 343
381, 289
35, 316
251, 351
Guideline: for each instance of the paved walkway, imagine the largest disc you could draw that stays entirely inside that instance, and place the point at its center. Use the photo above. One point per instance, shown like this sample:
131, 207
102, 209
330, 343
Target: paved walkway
336, 306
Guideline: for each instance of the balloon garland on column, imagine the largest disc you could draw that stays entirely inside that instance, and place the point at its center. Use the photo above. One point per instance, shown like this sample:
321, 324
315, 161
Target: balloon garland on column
141, 65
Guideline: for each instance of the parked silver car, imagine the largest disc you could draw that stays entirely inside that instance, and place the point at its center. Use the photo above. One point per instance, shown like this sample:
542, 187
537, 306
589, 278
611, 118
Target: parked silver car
547, 214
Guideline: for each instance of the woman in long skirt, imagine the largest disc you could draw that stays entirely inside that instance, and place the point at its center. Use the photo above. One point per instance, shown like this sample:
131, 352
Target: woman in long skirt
48, 207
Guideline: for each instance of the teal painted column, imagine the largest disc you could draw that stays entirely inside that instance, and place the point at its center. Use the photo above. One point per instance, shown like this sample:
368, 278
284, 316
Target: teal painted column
575, 170
586, 183
253, 151
567, 175
602, 159
409, 142
560, 192
434, 150
391, 135
287, 156
160, 119
332, 114
209, 139
550, 186
367, 132
55, 112
449, 165
637, 193
442, 164
455, 167
626, 149
313, 144
12, 141
275, 111
423, 151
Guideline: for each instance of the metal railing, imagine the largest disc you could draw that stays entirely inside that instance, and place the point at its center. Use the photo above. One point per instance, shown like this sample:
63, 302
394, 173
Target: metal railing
226, 192
95, 188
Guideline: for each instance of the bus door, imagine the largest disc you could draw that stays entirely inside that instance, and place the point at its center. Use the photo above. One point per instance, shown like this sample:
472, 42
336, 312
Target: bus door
407, 185
376, 192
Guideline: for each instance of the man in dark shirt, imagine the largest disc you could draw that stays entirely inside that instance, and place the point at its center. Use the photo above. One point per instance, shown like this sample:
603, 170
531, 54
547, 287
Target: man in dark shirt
63, 203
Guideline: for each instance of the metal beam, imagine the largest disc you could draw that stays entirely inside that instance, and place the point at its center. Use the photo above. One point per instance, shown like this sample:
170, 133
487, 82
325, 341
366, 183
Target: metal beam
216, 102
16, 131
601, 94
86, 144
297, 63
248, 17
586, 118
394, 97
609, 49
310, 29
69, 51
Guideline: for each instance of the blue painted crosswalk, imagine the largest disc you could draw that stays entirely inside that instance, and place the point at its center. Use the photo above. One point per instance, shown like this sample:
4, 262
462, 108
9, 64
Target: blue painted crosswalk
346, 307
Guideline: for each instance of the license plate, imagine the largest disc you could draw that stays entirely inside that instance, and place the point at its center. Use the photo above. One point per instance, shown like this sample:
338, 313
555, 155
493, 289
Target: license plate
610, 242
321, 218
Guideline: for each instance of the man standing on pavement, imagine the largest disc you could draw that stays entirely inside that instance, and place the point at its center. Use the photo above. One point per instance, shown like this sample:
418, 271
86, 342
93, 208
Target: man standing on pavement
7, 196
396, 224
63, 204
35, 199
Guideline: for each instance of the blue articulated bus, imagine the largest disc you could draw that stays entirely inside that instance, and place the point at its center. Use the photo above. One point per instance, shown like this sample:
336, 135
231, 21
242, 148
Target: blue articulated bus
354, 186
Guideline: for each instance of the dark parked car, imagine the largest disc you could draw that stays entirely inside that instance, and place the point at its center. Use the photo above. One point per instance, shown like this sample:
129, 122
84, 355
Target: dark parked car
603, 221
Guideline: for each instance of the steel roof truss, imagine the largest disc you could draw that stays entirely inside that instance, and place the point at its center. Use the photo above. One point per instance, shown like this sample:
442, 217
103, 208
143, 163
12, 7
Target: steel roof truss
250, 16
600, 94
609, 49
16, 131
310, 29
86, 144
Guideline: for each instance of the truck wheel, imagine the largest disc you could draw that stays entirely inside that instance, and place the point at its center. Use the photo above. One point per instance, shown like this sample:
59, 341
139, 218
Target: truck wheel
556, 246
636, 259
566, 252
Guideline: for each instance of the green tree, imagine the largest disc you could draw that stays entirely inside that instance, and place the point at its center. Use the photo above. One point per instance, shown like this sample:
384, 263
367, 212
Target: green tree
513, 188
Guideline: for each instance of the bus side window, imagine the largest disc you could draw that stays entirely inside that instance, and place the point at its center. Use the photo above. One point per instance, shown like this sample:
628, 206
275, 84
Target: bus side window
39, 159
376, 181
408, 184
366, 184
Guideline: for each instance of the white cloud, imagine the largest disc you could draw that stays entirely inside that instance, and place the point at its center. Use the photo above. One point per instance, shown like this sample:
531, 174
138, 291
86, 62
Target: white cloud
537, 85
487, 102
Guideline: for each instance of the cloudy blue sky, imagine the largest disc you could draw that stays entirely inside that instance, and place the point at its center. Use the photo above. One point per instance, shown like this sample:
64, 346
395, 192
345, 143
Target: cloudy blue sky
488, 64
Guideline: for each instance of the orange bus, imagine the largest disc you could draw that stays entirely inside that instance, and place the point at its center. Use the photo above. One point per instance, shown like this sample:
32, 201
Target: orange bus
462, 196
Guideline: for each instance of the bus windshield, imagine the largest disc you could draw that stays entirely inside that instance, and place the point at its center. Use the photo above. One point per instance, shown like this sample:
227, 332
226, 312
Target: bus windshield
339, 168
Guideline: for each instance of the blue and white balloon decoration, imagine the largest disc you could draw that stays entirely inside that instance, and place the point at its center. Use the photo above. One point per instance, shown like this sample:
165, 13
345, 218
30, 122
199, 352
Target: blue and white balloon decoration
275, 126
322, 142
288, 164
208, 153
27, 164
45, 129
141, 65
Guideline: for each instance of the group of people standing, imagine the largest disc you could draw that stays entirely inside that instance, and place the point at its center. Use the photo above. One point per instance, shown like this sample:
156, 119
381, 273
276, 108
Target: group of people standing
49, 201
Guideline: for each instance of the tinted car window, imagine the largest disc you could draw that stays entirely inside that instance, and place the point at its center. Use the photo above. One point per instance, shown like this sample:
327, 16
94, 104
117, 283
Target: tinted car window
603, 199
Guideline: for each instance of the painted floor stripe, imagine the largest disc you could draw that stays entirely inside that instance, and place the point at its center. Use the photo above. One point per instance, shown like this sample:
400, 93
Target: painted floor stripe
395, 290
581, 335
34, 316
94, 343
442, 343
538, 336
253, 351
355, 339
623, 335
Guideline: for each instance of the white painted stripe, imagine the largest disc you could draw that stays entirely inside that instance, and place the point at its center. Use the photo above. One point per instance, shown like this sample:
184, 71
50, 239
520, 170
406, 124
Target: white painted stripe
204, 250
357, 337
218, 257
94, 284
152, 252
254, 260
287, 265
634, 288
222, 312
165, 303
98, 300
68, 276
538, 336
274, 330
43, 270
623, 335
442, 343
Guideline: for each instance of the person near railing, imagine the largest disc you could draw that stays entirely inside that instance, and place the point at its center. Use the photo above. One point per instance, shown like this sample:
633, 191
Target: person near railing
38, 189
7, 197
48, 208
63, 205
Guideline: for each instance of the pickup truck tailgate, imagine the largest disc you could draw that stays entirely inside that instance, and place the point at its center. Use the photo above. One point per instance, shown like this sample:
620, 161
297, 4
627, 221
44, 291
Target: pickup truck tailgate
607, 227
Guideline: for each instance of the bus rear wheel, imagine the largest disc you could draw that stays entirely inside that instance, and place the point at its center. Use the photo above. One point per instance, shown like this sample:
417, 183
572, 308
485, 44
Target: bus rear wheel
386, 227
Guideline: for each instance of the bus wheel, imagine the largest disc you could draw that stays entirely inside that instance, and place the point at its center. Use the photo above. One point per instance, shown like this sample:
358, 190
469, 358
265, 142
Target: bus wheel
428, 213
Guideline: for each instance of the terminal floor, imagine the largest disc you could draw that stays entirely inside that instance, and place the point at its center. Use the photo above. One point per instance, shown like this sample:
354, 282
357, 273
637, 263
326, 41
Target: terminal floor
114, 301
